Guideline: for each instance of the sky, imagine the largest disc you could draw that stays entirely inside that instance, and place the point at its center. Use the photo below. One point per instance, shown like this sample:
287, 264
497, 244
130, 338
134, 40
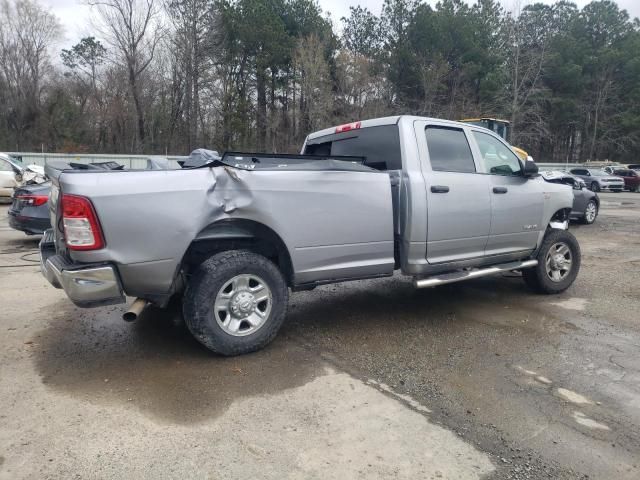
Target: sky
75, 14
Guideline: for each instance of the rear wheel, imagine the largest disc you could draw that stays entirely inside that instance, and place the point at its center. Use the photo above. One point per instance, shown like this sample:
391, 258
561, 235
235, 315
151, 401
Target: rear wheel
236, 302
590, 212
595, 187
558, 263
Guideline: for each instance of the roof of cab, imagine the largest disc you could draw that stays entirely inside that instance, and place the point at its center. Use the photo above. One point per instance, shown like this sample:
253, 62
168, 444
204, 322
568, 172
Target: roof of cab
376, 122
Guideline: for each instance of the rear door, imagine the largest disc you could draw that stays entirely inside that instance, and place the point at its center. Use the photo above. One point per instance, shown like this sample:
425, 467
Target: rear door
458, 203
516, 201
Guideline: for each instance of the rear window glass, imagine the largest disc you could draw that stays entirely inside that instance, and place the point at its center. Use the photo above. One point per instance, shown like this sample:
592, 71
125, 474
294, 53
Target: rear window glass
449, 150
379, 145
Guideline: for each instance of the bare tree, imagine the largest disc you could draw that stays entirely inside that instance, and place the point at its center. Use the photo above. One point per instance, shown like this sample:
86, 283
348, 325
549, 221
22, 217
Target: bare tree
27, 32
133, 29
527, 41
361, 91
193, 42
84, 63
315, 83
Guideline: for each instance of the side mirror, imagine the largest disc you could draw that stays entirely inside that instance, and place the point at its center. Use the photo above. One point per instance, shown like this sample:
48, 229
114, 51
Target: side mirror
530, 169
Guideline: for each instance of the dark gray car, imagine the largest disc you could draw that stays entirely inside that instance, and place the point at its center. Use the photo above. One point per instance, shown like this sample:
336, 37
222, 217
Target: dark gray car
29, 211
586, 203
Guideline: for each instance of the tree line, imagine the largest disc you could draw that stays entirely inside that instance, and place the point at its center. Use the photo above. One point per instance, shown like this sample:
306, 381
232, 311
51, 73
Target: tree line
168, 76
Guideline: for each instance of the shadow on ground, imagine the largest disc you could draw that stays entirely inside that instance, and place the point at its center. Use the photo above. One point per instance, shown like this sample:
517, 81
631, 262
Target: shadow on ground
156, 366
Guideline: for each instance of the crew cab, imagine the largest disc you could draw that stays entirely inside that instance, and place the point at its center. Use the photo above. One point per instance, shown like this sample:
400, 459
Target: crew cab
439, 201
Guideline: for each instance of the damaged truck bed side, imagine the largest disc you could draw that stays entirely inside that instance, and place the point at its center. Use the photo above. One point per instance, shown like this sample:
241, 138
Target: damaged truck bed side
441, 201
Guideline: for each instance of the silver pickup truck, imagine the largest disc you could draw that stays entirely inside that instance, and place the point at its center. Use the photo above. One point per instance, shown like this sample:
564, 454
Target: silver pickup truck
440, 201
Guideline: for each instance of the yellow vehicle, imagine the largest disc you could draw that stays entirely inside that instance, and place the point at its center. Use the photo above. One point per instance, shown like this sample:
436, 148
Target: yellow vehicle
500, 127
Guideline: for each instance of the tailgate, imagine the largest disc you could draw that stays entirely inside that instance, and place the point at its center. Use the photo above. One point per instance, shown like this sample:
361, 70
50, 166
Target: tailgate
54, 170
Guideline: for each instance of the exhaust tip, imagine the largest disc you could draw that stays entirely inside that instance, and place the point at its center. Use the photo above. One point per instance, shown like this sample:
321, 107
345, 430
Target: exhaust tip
135, 310
129, 316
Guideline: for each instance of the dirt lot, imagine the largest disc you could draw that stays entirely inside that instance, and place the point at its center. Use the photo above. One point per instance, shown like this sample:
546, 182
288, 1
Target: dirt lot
371, 379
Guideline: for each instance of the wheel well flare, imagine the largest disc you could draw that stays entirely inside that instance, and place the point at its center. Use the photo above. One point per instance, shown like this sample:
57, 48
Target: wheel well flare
236, 234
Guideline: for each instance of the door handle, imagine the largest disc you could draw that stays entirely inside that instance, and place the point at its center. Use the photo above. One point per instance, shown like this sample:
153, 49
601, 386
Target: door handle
439, 189
499, 189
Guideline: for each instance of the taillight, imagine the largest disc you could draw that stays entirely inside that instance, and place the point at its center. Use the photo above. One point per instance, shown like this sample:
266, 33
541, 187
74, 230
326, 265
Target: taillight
33, 200
348, 126
81, 228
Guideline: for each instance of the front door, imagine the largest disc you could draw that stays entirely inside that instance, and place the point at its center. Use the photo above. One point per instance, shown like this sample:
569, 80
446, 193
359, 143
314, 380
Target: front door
516, 201
458, 203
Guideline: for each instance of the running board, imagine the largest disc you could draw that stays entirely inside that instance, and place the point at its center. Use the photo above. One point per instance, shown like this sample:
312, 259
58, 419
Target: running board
469, 274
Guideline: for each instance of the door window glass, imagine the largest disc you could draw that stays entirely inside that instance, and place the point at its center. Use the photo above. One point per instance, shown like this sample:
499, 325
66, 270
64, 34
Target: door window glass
5, 166
449, 150
498, 158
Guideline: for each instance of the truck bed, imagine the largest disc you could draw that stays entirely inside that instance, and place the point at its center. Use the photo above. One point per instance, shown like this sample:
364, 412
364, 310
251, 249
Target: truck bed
333, 214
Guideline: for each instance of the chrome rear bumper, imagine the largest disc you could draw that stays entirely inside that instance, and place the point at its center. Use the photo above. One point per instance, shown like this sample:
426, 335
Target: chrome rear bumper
85, 285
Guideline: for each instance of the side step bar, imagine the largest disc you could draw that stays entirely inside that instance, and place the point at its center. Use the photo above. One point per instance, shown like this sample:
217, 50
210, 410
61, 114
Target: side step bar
469, 274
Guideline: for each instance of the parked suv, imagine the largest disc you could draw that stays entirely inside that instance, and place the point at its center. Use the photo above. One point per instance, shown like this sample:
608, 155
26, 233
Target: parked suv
631, 179
599, 180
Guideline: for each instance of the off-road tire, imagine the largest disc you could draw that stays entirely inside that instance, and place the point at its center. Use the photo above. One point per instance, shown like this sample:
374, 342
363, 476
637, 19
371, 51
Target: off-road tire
537, 278
205, 284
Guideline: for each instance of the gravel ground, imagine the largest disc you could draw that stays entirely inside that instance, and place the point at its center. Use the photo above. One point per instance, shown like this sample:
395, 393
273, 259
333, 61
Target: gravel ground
369, 379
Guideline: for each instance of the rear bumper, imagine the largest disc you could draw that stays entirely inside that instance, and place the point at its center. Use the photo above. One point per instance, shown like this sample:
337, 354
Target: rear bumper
29, 225
85, 285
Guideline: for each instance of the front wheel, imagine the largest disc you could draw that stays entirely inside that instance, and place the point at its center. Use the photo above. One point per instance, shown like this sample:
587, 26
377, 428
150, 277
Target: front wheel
595, 187
235, 302
558, 263
590, 212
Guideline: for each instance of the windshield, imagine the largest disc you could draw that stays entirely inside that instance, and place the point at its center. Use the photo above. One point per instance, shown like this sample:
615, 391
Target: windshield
13, 161
598, 173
